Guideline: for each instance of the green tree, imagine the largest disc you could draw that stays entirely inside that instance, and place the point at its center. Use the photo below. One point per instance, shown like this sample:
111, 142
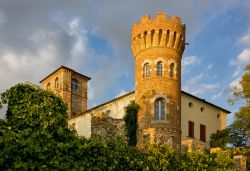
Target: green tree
35, 135
241, 123
130, 119
220, 139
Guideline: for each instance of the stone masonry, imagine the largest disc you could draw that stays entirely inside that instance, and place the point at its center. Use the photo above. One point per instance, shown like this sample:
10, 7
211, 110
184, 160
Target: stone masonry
159, 39
60, 82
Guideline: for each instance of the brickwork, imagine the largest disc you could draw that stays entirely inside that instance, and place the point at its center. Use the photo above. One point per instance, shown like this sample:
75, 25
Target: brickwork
60, 82
159, 40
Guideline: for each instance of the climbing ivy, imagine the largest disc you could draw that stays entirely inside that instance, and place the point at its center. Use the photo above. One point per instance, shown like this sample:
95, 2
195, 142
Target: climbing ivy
130, 119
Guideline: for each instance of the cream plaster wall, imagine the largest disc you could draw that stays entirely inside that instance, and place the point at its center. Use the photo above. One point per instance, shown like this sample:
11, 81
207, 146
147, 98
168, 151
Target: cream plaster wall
82, 125
116, 107
208, 117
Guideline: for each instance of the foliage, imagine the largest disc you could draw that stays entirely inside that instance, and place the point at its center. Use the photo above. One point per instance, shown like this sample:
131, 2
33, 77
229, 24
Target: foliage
35, 136
130, 119
241, 123
238, 137
219, 139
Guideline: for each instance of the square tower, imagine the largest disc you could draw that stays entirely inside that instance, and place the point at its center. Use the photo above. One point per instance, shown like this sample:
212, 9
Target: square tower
71, 86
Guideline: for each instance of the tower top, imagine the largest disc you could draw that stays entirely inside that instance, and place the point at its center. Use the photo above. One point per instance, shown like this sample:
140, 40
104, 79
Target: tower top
156, 32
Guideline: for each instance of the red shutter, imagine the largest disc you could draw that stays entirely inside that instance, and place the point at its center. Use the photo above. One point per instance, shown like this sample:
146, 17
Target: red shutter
191, 129
202, 132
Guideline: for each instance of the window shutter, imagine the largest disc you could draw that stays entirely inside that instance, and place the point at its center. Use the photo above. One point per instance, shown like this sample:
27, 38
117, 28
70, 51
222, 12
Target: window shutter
191, 129
202, 132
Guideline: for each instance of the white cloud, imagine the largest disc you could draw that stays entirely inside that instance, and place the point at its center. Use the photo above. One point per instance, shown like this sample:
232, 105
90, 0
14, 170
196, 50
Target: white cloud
122, 92
218, 95
201, 88
187, 63
245, 39
195, 85
210, 66
244, 57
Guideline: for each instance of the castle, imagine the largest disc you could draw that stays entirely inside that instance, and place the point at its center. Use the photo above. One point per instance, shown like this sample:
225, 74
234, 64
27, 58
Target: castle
167, 114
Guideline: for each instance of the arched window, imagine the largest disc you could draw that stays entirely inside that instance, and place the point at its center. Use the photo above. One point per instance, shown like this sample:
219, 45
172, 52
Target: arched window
74, 85
160, 111
172, 70
48, 86
146, 70
159, 69
57, 83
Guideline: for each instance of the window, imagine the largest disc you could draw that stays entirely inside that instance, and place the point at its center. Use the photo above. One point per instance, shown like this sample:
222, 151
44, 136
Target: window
202, 132
57, 83
160, 109
159, 69
191, 129
74, 84
48, 86
172, 70
146, 70
202, 109
190, 104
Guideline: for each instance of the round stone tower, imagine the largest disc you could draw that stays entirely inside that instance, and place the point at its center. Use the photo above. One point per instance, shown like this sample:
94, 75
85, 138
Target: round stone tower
157, 45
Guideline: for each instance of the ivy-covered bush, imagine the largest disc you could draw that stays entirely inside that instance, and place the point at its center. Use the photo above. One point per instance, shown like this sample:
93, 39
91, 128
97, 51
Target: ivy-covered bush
130, 119
35, 136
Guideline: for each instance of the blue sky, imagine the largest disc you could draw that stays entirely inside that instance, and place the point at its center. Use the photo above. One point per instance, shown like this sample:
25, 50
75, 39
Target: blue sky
93, 37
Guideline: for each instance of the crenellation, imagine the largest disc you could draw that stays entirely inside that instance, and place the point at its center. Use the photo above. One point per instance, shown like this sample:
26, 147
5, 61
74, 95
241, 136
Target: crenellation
158, 31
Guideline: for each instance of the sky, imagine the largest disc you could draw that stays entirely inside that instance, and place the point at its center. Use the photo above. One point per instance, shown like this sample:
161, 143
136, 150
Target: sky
93, 38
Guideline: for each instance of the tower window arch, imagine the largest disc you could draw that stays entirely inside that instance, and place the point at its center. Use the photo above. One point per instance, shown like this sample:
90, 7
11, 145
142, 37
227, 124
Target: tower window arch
74, 85
57, 83
146, 70
159, 109
171, 70
159, 69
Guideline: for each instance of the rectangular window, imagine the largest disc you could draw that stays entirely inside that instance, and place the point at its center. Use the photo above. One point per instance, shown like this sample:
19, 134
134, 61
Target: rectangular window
191, 129
202, 132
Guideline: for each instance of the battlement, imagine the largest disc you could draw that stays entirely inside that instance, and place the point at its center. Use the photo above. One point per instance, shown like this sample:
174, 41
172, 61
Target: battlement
159, 31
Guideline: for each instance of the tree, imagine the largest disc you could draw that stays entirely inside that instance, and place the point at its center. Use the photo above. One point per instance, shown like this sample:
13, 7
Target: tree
35, 135
243, 92
130, 119
242, 117
220, 139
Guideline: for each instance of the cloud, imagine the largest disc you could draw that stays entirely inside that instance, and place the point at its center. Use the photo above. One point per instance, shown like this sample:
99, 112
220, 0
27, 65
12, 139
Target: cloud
187, 63
34, 41
218, 95
245, 39
197, 85
210, 66
243, 58
122, 92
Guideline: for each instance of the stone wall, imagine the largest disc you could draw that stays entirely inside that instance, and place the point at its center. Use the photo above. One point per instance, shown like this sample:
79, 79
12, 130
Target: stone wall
107, 127
192, 145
